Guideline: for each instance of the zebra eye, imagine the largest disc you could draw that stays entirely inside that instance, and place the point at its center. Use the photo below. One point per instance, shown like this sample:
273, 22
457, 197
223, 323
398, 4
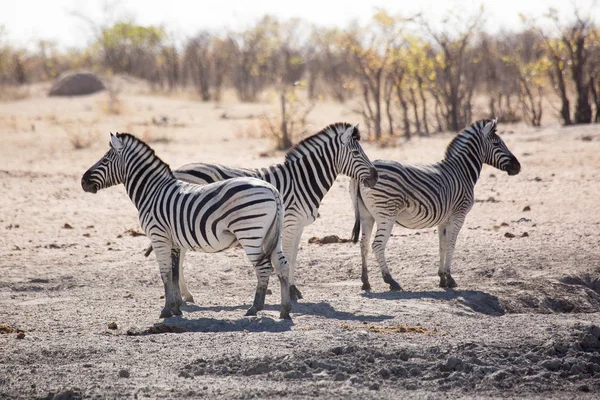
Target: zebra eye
355, 152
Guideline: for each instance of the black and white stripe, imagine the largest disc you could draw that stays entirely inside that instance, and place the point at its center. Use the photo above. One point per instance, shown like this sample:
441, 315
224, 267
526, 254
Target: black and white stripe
179, 216
309, 170
427, 196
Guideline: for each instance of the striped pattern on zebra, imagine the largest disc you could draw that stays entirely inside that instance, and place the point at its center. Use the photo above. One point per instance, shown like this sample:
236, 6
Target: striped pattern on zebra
309, 170
427, 196
179, 216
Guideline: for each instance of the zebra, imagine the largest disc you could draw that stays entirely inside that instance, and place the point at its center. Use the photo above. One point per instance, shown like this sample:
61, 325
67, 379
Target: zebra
179, 216
306, 175
418, 197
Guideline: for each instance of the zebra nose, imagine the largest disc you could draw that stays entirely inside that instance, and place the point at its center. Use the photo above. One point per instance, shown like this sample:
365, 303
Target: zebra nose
514, 168
86, 185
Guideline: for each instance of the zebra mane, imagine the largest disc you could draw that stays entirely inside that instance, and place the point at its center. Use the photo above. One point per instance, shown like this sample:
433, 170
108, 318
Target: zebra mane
457, 144
129, 138
335, 130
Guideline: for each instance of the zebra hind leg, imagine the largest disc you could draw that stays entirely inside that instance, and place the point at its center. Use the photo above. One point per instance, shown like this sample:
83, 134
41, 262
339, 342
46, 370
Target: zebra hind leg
282, 269
168, 261
263, 272
382, 235
366, 222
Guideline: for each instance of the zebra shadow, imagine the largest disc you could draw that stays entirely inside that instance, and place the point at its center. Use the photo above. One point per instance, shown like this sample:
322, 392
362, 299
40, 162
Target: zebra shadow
476, 300
249, 324
321, 309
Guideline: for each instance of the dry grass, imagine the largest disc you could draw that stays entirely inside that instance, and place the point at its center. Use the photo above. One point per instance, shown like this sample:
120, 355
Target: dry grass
80, 135
13, 93
389, 329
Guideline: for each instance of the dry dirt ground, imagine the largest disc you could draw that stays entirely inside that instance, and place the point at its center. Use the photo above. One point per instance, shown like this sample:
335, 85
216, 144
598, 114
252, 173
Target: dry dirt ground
522, 323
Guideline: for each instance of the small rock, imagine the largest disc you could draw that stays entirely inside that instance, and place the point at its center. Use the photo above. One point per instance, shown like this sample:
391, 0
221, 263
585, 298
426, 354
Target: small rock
374, 386
527, 208
384, 373
112, 325
453, 362
21, 335
415, 371
525, 234
551, 365
123, 373
499, 375
67, 226
583, 388
340, 376
509, 235
411, 386
269, 292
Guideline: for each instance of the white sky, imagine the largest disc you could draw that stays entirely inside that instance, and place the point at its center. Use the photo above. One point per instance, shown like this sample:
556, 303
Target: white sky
26, 21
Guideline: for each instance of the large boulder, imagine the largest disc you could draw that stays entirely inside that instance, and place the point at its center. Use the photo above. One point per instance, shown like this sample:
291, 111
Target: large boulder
76, 84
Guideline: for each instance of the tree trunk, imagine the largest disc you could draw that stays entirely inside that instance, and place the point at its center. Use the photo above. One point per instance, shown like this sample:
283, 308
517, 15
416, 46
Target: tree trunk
404, 107
423, 105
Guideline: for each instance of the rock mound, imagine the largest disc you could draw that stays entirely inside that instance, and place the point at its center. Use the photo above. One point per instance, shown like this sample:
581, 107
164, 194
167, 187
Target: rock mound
76, 84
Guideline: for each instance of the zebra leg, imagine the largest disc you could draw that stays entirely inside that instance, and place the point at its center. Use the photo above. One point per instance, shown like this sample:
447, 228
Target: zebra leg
382, 235
168, 262
366, 222
282, 269
290, 243
185, 292
454, 227
263, 272
442, 235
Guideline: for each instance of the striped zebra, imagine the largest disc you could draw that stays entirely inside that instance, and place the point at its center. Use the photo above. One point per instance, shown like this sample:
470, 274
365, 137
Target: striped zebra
306, 175
179, 216
427, 196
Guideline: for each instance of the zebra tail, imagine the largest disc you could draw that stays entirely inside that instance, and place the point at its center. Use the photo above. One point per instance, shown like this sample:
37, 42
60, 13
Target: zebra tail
273, 235
148, 251
356, 229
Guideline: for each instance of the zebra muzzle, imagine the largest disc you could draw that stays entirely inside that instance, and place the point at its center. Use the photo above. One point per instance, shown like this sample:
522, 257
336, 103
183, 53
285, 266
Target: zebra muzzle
88, 186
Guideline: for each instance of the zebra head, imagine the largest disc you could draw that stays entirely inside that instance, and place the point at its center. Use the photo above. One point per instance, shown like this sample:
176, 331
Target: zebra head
495, 151
108, 171
352, 160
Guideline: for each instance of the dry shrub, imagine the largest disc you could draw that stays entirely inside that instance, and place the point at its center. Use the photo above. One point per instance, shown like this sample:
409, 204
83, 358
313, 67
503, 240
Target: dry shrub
113, 104
251, 130
13, 93
289, 125
151, 135
80, 135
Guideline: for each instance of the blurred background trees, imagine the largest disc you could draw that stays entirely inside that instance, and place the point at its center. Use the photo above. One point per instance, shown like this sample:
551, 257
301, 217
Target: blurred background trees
402, 75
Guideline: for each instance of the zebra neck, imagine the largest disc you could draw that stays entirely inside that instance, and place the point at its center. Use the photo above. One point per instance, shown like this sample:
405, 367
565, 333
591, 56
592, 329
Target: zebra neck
466, 164
313, 174
144, 177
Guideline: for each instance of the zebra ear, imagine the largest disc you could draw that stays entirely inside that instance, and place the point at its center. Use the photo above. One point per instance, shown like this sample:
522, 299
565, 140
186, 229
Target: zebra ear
115, 142
347, 134
356, 133
489, 127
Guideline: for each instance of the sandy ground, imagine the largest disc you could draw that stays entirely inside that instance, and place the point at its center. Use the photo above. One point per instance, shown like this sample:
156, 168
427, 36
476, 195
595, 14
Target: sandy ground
522, 323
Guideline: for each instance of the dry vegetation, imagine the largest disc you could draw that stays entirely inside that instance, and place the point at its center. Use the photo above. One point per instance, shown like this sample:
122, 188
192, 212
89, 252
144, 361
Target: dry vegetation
403, 75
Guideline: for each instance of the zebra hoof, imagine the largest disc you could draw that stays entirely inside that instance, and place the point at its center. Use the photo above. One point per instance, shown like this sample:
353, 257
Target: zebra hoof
177, 312
395, 286
251, 312
366, 286
295, 294
165, 313
188, 299
285, 313
450, 282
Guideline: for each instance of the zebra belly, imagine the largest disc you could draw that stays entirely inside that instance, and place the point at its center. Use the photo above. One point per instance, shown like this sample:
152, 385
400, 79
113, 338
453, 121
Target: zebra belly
413, 218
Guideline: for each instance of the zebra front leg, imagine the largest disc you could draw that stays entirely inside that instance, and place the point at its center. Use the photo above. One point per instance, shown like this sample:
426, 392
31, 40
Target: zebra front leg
366, 222
382, 235
290, 243
451, 234
263, 272
168, 262
282, 269
185, 292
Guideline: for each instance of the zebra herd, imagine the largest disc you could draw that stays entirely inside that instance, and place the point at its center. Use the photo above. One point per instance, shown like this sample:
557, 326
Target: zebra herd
211, 207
